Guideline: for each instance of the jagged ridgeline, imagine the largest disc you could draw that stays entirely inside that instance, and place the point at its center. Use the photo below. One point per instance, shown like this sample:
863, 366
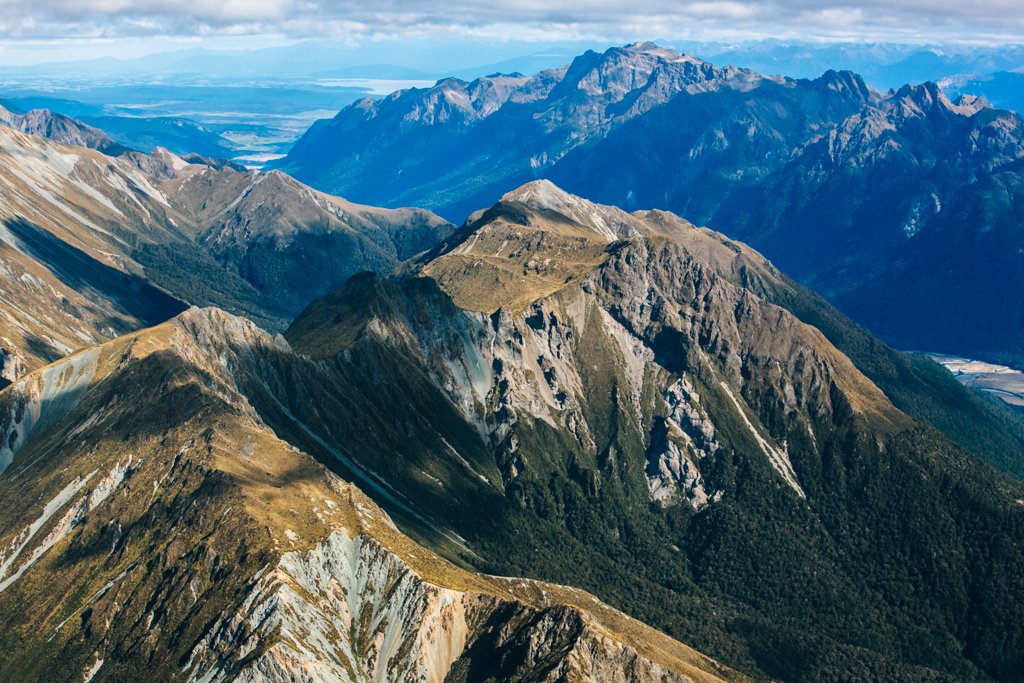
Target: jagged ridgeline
902, 207
622, 403
155, 528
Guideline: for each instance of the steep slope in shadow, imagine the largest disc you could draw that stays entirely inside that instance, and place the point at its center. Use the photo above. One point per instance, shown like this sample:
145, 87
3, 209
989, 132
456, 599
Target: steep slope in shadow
78, 270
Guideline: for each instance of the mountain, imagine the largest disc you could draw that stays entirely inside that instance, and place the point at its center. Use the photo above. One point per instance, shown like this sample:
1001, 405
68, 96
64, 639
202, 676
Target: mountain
883, 65
299, 61
65, 282
283, 243
95, 246
60, 128
575, 394
189, 113
897, 206
629, 414
115, 135
190, 542
558, 109
559, 390
618, 402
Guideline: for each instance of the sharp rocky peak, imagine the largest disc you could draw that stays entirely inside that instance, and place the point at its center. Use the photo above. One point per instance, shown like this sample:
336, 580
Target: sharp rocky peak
929, 99
635, 66
451, 99
653, 49
539, 239
847, 83
972, 103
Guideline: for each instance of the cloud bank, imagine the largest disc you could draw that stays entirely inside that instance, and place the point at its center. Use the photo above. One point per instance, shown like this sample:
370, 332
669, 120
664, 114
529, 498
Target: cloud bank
889, 20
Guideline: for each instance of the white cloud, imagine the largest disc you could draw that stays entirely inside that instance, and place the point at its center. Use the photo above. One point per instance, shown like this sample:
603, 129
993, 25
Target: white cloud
613, 19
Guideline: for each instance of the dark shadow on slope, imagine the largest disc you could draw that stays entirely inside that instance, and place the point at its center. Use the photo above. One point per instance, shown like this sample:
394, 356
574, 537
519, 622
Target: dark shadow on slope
80, 271
40, 348
983, 425
201, 280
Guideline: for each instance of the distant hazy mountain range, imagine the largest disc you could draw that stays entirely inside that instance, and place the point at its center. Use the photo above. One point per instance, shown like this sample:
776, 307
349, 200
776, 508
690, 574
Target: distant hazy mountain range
223, 119
898, 206
993, 72
884, 65
1005, 88
252, 105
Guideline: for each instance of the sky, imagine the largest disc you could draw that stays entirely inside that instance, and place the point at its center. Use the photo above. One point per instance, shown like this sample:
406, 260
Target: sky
51, 30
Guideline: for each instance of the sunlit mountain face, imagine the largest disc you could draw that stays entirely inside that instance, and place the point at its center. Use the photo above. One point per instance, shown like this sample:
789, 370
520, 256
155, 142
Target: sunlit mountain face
364, 345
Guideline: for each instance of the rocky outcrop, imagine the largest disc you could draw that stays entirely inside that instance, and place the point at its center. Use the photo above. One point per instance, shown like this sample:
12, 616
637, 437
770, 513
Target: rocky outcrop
631, 301
352, 610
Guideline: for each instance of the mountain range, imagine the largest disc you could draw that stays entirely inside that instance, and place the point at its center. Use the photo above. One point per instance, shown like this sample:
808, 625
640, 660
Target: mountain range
883, 65
897, 206
96, 245
1002, 87
256, 432
61, 128
558, 390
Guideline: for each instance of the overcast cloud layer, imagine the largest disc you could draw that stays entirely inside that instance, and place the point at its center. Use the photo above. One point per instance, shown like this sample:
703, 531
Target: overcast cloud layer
984, 21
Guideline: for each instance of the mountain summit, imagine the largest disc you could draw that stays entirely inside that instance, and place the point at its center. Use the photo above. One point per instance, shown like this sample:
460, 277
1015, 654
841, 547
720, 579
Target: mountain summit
614, 398
896, 205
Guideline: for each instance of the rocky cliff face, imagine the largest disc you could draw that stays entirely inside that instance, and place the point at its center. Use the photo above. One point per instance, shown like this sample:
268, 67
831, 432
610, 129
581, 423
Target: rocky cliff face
154, 523
881, 201
569, 315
